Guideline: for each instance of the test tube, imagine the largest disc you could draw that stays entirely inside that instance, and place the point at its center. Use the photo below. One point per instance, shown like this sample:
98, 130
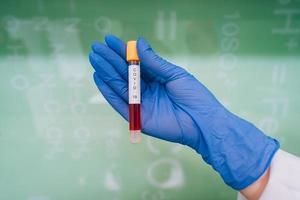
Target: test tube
134, 92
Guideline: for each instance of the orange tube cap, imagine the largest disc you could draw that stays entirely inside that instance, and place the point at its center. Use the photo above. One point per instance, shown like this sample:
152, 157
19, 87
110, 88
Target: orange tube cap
131, 51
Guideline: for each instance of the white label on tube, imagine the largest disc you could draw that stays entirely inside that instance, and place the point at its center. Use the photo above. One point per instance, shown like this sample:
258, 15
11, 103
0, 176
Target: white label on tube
134, 82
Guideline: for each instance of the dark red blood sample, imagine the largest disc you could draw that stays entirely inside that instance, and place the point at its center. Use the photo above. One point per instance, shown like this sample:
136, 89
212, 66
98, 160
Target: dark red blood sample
134, 117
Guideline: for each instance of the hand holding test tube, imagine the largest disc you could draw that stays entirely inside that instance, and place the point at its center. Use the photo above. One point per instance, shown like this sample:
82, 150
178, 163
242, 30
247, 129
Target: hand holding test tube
178, 108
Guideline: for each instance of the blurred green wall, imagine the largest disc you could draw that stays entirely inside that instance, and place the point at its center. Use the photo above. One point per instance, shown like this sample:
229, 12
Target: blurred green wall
59, 139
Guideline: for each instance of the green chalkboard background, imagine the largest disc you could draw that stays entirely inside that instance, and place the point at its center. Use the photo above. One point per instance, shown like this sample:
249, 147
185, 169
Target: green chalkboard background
60, 140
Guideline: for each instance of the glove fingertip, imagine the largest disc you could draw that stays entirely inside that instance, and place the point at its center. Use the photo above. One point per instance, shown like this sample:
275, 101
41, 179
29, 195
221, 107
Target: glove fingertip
97, 80
116, 44
112, 40
95, 60
142, 44
109, 37
94, 44
98, 47
91, 57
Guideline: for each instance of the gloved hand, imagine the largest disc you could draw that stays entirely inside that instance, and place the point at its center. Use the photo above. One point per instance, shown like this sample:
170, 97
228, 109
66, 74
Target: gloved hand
176, 107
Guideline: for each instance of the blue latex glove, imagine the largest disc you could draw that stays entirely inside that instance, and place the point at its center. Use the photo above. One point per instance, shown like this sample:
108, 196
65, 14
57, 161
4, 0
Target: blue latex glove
176, 107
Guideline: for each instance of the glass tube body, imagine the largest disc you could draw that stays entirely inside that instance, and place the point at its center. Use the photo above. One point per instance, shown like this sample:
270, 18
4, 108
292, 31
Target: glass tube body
134, 99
